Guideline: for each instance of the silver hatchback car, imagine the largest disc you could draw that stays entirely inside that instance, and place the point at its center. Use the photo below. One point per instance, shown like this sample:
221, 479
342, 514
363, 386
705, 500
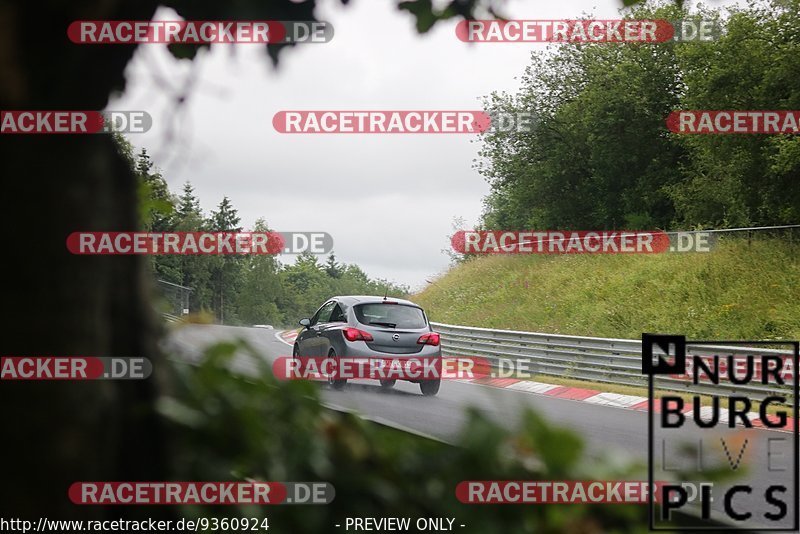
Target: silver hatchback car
369, 327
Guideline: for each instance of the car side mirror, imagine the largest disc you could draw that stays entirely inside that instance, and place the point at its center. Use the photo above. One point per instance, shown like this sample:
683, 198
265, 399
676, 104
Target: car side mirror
305, 322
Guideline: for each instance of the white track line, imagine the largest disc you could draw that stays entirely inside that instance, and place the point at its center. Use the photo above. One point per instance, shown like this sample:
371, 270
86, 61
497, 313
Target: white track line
279, 338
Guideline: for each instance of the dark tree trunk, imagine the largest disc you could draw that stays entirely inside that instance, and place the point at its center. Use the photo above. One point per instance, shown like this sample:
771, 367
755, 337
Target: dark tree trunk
56, 433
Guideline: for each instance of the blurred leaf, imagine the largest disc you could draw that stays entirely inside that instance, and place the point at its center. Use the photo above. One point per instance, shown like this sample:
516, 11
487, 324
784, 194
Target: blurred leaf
185, 50
422, 11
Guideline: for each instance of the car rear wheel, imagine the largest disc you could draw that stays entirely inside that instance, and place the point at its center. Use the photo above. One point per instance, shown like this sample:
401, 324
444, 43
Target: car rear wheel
430, 388
388, 384
337, 384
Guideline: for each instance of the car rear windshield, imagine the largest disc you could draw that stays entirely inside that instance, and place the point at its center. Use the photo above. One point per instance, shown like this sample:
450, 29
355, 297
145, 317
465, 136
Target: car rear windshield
390, 315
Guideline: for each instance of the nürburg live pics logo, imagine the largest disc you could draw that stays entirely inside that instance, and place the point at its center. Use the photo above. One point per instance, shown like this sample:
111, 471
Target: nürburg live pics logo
723, 431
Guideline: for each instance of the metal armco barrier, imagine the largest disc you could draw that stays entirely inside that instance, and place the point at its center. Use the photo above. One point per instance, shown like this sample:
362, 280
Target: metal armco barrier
613, 361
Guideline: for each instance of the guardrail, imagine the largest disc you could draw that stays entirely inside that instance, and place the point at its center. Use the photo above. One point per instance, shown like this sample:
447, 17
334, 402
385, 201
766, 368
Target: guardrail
171, 318
595, 359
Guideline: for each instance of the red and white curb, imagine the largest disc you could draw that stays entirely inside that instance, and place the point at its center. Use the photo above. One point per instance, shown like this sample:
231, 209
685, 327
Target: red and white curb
615, 400
592, 396
287, 336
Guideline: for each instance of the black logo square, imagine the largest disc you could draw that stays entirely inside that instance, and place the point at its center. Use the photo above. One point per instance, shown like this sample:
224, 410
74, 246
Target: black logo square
674, 346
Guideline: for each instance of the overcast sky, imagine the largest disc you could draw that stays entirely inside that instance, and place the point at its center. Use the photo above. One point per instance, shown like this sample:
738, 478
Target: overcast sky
387, 200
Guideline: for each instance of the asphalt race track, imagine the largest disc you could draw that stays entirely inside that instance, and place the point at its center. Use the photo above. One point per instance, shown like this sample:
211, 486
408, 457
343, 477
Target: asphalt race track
604, 429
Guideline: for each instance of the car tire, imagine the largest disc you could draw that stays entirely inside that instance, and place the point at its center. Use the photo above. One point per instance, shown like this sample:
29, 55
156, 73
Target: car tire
336, 384
430, 388
388, 384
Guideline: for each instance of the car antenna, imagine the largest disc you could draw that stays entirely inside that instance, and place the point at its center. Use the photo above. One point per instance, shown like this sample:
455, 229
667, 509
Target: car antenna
386, 293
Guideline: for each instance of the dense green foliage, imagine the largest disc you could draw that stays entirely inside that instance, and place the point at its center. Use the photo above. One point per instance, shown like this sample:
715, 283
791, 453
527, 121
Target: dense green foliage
256, 289
601, 156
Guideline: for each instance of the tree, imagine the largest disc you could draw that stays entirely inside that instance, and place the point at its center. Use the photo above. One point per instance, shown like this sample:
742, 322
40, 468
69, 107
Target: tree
193, 271
225, 269
306, 286
742, 180
600, 155
260, 289
156, 201
188, 203
597, 155
225, 219
332, 268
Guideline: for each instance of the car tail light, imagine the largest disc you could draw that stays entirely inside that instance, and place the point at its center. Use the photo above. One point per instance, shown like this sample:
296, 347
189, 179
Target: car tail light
431, 338
354, 334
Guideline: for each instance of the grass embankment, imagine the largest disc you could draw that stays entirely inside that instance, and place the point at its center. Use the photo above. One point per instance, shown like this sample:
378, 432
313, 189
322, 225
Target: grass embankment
737, 291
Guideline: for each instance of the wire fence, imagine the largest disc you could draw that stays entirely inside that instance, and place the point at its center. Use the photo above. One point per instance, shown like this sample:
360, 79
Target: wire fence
176, 298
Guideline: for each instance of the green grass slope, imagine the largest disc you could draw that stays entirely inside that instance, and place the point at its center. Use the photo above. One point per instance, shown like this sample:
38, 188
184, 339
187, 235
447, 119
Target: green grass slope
737, 291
